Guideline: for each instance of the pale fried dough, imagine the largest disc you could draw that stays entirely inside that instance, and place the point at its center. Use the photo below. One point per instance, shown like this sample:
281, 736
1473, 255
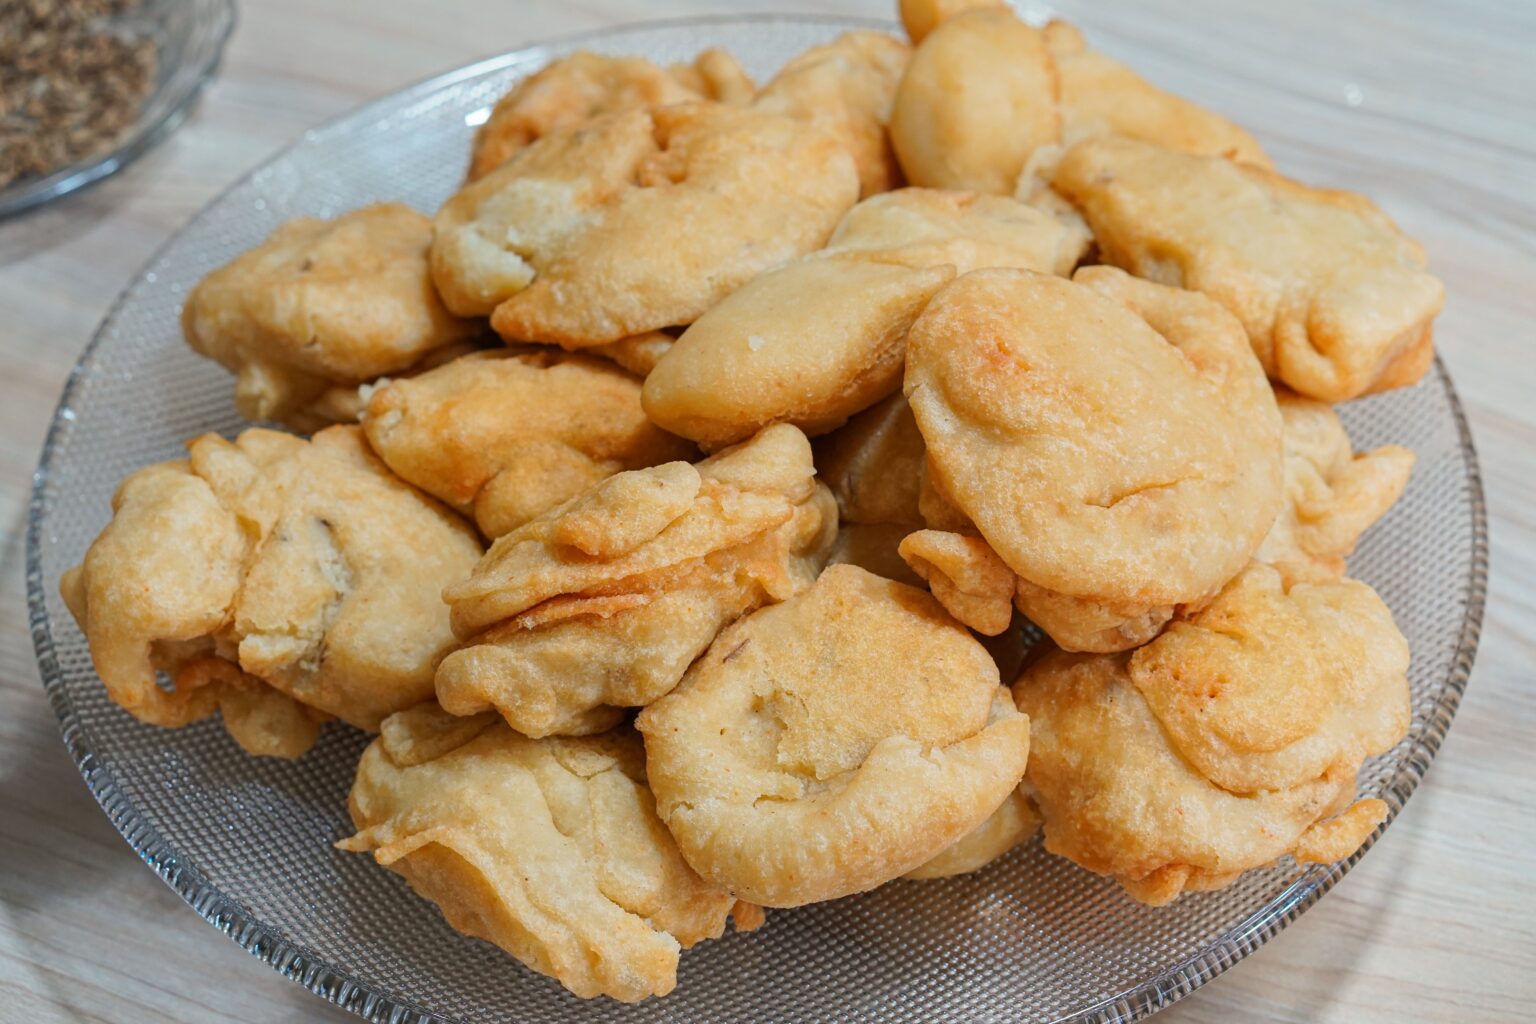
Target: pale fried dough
580, 86
1113, 441
1336, 301
1333, 494
808, 344
637, 221
1008, 826
926, 227
638, 353
1224, 744
505, 436
824, 337
919, 17
830, 743
874, 465
1100, 96
321, 304
551, 849
604, 602
978, 98
846, 88
307, 565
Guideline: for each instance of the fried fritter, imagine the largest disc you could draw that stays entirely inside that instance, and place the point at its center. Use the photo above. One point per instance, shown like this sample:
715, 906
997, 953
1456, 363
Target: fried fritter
603, 602
637, 221
1333, 495
827, 744
1336, 301
1008, 826
1114, 442
874, 465
321, 304
581, 86
978, 98
1225, 743
920, 17
820, 339
846, 88
638, 353
1100, 96
551, 849
926, 227
505, 436
305, 566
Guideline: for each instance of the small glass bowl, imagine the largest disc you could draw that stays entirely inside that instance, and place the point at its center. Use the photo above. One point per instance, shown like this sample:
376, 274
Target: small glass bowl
189, 36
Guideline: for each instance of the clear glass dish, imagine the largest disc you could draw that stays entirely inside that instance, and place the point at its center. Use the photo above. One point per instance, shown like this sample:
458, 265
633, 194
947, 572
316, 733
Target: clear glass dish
247, 841
189, 38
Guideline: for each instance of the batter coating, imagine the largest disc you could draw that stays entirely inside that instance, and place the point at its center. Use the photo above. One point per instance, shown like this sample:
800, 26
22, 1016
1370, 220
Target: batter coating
1225, 743
978, 98
846, 89
1113, 441
305, 566
583, 212
827, 744
1336, 301
504, 436
551, 849
603, 603
321, 304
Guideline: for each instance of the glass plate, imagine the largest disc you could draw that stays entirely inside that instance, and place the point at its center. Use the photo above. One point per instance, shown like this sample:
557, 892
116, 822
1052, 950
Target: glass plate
247, 841
189, 36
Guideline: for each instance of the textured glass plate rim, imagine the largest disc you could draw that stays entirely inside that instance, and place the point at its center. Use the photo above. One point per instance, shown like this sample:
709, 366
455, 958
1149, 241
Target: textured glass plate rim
144, 136
296, 962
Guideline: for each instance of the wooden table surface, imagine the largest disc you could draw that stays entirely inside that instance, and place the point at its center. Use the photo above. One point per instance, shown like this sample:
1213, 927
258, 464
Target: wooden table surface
1430, 108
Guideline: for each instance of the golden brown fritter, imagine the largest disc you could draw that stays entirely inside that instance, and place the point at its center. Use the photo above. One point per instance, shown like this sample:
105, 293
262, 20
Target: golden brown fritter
846, 88
1336, 301
830, 743
637, 221
504, 436
1100, 96
1333, 494
603, 603
578, 87
820, 339
1113, 441
978, 99
302, 565
551, 849
321, 304
1225, 743
1008, 826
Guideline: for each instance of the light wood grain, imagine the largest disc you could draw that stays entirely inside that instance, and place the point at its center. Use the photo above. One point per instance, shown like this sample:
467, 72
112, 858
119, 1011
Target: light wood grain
1439, 921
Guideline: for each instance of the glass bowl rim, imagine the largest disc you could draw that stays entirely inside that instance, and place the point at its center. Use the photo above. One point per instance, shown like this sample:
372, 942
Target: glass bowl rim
297, 963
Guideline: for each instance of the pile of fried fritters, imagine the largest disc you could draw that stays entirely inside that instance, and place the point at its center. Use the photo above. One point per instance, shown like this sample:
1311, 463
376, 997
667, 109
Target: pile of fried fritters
1066, 344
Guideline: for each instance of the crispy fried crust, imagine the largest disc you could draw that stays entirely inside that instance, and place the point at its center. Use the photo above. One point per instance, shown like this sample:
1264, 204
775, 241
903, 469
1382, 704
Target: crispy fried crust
820, 339
321, 304
733, 191
571, 91
307, 565
979, 97
1333, 494
920, 17
505, 436
846, 89
1053, 458
1100, 96
830, 743
551, 849
1008, 826
604, 602
1226, 743
1336, 301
